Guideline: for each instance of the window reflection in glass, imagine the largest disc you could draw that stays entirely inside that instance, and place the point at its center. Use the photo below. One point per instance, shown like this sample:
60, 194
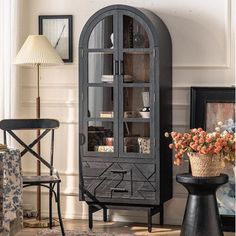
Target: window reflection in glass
100, 102
100, 68
102, 34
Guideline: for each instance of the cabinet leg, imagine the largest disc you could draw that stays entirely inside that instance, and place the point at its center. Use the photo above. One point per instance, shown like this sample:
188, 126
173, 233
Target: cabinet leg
149, 220
161, 215
105, 214
90, 211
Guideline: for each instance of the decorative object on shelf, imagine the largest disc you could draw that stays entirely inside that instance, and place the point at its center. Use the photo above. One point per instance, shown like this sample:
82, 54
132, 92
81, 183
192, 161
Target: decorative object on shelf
109, 141
37, 51
207, 151
58, 29
112, 40
208, 106
144, 145
138, 38
145, 112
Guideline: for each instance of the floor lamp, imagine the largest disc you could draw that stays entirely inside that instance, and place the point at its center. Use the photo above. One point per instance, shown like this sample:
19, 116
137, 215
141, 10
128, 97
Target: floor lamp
37, 51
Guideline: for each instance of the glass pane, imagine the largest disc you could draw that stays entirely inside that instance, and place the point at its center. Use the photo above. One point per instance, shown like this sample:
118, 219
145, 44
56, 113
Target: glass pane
134, 35
102, 34
100, 136
137, 137
100, 68
136, 67
136, 102
100, 102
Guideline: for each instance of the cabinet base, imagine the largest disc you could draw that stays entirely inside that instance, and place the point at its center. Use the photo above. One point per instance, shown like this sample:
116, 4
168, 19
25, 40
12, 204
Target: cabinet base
151, 211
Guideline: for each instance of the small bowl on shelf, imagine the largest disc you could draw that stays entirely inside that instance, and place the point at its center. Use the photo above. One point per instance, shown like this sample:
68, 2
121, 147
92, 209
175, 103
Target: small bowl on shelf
145, 114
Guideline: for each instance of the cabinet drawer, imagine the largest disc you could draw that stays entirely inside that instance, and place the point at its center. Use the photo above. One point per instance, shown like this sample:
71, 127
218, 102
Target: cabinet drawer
120, 171
104, 188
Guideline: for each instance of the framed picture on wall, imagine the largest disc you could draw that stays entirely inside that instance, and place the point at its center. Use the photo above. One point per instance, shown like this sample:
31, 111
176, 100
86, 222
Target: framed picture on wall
58, 30
209, 105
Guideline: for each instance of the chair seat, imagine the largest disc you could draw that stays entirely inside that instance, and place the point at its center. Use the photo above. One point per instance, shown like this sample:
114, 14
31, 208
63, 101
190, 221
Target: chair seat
40, 179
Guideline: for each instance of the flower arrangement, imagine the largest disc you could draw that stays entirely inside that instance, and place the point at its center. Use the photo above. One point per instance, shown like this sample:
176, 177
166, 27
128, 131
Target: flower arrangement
208, 143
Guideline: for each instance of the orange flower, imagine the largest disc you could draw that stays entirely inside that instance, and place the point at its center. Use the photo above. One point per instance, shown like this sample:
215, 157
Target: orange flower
208, 140
173, 134
201, 140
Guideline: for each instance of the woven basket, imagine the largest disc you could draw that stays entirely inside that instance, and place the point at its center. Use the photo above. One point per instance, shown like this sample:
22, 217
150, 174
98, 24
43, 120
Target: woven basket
205, 165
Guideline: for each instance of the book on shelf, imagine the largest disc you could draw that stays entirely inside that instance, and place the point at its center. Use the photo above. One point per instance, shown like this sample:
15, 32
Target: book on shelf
106, 114
104, 148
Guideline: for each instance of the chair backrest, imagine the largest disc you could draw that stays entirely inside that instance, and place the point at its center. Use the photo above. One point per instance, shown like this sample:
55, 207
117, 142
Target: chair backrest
48, 125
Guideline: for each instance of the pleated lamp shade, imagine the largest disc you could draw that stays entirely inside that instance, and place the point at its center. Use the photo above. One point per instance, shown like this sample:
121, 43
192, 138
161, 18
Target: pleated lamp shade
37, 50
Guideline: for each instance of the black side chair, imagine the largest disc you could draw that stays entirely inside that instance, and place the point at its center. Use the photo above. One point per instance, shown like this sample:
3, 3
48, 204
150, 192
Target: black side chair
50, 181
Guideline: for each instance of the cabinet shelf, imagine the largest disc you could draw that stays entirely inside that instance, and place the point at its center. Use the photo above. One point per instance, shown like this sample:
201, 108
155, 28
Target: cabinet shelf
137, 50
136, 85
136, 120
104, 50
100, 119
102, 84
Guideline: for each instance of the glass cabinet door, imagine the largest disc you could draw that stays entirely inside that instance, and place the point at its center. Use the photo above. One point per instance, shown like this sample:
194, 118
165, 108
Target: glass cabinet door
119, 88
101, 107
135, 127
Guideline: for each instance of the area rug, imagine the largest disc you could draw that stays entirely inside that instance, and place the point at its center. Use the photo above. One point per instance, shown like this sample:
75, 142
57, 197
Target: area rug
55, 232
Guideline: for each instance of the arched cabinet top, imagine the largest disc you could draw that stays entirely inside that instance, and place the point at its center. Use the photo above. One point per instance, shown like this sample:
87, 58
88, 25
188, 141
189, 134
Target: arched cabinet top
156, 29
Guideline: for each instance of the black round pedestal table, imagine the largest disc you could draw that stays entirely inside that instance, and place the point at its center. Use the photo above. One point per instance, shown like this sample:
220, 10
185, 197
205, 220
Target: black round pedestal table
201, 217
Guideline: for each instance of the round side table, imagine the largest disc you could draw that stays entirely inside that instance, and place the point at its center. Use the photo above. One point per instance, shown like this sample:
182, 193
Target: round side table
201, 217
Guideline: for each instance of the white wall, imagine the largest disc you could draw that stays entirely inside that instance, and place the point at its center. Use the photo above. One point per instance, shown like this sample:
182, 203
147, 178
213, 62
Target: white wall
203, 35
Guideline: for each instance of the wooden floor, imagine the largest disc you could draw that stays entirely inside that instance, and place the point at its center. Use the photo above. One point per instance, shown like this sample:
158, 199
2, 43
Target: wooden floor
117, 227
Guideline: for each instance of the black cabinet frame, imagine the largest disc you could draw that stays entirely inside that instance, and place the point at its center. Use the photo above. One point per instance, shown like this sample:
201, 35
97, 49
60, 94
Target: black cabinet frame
135, 180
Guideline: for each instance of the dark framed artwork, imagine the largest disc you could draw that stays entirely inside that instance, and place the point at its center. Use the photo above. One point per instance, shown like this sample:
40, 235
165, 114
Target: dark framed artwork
58, 30
209, 105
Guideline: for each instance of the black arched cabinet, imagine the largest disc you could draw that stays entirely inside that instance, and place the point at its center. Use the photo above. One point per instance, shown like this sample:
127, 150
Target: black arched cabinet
125, 97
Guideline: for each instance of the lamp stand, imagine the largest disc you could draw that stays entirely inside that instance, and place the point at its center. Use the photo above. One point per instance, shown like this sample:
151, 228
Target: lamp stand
39, 223
38, 148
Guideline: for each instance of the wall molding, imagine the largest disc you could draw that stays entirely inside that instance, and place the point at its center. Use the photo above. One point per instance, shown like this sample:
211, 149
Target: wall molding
52, 86
51, 103
73, 65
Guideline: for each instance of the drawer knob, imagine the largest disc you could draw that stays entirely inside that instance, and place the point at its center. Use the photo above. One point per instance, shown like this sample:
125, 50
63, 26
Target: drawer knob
120, 190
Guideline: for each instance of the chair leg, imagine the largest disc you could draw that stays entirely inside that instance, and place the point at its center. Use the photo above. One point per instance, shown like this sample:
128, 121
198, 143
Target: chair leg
59, 209
90, 215
50, 206
149, 220
161, 214
105, 214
